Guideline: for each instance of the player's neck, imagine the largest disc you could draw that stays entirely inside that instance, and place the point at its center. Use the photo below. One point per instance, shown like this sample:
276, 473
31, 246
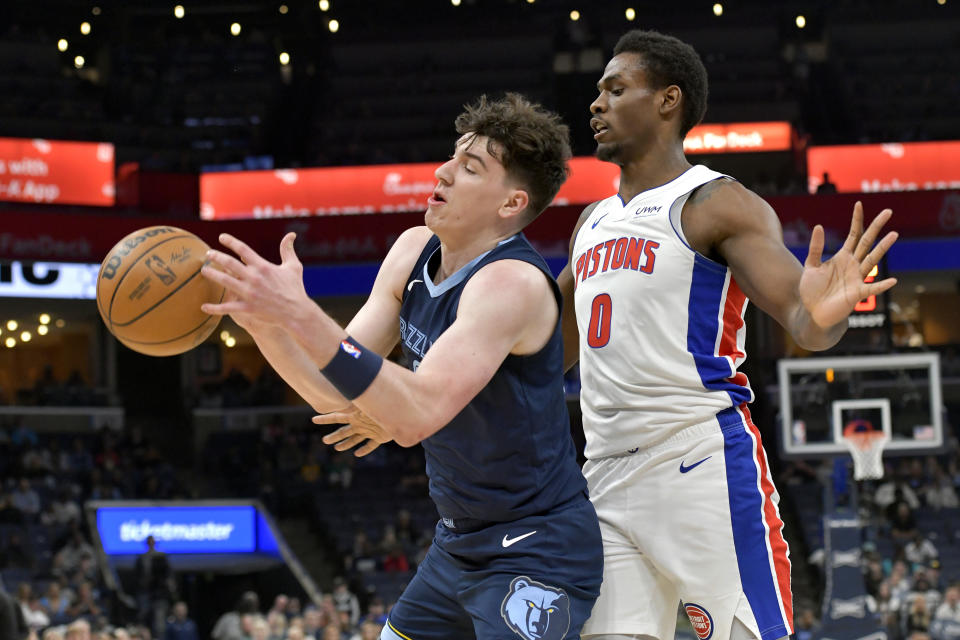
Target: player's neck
654, 167
454, 254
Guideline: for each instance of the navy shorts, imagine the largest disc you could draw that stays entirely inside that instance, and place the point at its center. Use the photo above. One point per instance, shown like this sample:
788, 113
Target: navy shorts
535, 578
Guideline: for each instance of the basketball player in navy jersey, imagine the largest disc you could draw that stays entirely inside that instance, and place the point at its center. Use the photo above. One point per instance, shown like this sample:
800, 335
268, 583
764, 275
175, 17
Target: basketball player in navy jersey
654, 300
517, 552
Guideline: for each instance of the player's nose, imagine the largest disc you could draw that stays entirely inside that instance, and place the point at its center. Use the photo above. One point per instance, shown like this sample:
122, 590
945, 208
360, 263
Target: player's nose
599, 105
444, 173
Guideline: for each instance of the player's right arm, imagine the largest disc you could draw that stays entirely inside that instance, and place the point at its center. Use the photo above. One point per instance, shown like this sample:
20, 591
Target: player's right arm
566, 281
375, 325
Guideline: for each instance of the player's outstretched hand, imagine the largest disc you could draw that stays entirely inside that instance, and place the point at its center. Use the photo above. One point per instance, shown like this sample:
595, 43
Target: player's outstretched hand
358, 429
830, 290
258, 289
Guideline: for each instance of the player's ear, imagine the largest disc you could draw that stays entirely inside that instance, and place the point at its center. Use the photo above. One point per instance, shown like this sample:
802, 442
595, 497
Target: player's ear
515, 204
670, 99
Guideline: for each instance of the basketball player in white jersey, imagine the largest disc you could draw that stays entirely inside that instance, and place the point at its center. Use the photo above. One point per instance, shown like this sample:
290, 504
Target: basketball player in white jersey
658, 282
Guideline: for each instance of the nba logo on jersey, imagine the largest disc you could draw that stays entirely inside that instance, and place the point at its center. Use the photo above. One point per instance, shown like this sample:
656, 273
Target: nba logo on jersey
700, 619
351, 350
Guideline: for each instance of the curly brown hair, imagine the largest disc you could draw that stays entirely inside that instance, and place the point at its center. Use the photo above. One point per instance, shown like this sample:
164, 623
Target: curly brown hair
531, 143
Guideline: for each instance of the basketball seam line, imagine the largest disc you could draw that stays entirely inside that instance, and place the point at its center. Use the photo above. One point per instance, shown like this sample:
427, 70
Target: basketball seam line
113, 296
160, 301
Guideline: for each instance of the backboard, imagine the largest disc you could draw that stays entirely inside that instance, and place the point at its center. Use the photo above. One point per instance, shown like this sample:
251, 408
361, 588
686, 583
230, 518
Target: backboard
898, 393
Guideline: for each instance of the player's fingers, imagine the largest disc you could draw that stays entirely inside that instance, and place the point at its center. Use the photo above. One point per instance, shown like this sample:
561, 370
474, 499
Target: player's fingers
222, 278
225, 308
334, 417
815, 252
287, 252
366, 449
873, 258
871, 234
876, 288
336, 436
349, 443
225, 262
856, 228
241, 248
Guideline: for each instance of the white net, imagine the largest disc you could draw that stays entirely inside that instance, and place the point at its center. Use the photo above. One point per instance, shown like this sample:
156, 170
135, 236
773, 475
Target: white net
866, 448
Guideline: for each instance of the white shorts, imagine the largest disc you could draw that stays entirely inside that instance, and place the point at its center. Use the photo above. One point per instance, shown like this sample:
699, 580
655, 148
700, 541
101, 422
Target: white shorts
692, 520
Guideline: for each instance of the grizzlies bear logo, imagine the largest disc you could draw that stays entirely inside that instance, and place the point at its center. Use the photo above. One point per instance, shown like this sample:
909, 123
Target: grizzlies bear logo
535, 611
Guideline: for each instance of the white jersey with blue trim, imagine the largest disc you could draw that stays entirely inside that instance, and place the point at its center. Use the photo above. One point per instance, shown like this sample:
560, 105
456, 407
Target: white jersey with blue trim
661, 326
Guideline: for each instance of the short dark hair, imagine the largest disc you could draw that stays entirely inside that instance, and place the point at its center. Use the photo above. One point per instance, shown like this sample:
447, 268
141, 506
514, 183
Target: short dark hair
669, 60
531, 143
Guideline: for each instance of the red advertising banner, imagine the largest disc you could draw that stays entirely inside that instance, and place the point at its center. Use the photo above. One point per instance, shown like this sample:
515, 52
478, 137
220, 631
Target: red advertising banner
52, 171
898, 166
366, 238
739, 137
389, 188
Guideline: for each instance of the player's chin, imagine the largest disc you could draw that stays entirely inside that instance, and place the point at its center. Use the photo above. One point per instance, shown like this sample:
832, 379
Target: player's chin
608, 151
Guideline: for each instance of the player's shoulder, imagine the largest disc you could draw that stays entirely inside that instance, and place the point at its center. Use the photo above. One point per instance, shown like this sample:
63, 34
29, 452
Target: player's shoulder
413, 240
510, 282
727, 203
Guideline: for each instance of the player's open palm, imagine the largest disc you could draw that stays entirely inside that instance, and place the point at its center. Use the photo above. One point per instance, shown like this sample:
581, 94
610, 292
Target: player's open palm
829, 290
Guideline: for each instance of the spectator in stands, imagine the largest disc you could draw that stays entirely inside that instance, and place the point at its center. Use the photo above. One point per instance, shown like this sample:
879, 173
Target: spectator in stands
155, 586
67, 559
922, 589
55, 603
892, 492
26, 499
825, 185
179, 626
396, 559
37, 460
312, 623
9, 514
941, 494
30, 609
345, 600
886, 607
23, 436
920, 550
79, 458
369, 630
259, 629
293, 608
377, 611
405, 529
918, 617
53, 633
806, 624
946, 620
332, 632
16, 555
78, 630
295, 633
63, 511
903, 526
85, 605
230, 624
277, 622
279, 605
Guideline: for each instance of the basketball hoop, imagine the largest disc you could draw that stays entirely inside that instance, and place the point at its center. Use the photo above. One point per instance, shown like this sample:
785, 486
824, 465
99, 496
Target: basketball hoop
866, 448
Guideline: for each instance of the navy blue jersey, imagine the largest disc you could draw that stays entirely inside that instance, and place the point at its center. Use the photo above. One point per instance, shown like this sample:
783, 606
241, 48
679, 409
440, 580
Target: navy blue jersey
508, 454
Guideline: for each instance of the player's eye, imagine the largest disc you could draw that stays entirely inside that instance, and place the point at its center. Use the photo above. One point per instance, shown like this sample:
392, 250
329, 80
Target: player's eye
617, 92
469, 170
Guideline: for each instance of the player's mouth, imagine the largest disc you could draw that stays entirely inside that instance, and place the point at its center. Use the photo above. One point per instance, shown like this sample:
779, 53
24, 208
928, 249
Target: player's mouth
599, 127
436, 199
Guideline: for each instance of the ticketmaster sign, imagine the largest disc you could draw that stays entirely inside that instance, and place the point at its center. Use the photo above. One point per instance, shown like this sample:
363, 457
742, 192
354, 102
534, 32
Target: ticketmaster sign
200, 529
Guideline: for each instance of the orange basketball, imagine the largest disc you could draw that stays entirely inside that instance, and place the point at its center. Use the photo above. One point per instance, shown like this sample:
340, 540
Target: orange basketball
149, 291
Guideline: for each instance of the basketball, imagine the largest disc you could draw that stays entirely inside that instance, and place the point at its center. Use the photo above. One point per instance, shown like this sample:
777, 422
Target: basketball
149, 291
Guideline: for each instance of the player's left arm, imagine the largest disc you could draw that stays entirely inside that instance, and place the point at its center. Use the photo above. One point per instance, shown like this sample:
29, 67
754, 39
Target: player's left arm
812, 301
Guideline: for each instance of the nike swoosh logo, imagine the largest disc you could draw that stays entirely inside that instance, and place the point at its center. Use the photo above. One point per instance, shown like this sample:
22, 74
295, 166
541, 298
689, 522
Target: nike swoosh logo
597, 221
684, 469
511, 541
412, 282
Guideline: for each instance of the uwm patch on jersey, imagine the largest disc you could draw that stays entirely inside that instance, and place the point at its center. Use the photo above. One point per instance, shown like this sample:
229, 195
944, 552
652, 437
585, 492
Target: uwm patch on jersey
661, 326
